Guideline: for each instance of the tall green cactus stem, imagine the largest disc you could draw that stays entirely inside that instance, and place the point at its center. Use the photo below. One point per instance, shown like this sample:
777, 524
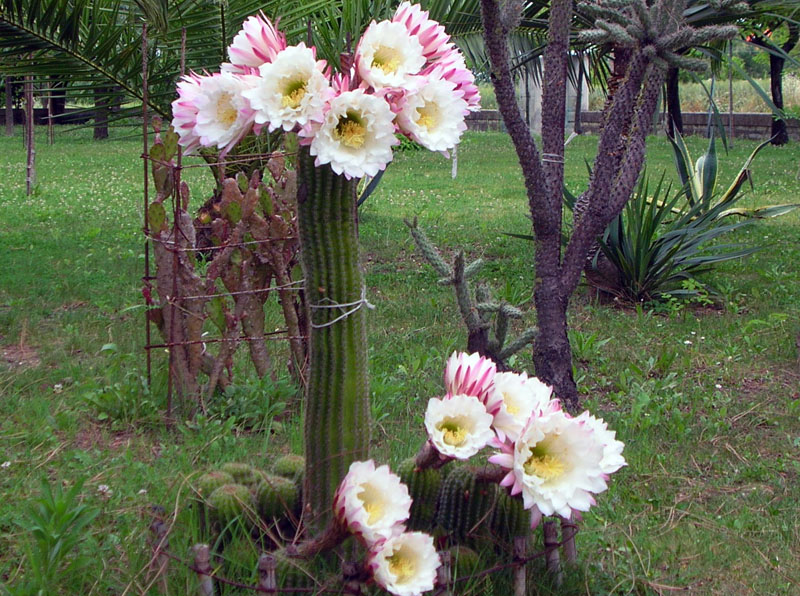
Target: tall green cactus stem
337, 394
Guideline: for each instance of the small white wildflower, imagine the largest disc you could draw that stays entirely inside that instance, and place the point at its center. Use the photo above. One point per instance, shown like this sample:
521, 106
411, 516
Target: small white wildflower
58, 388
5, 464
142, 491
104, 490
718, 386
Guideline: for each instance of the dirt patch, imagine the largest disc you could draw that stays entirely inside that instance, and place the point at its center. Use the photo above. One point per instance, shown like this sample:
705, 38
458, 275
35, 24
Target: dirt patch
19, 356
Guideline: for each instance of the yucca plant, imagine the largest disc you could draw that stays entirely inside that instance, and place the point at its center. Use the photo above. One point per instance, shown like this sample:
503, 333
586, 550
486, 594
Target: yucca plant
699, 179
652, 248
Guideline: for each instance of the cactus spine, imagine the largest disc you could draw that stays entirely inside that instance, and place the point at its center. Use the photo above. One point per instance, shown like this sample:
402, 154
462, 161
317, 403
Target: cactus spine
337, 395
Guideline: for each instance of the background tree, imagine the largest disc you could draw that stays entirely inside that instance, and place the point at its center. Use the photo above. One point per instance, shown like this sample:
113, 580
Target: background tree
652, 31
778, 36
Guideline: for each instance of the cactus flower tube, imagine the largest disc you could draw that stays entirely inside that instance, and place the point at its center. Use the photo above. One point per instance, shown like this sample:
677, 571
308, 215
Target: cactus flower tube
337, 394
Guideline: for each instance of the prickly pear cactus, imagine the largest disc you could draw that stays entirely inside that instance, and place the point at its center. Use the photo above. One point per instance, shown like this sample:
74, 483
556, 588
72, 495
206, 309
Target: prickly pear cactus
423, 487
276, 497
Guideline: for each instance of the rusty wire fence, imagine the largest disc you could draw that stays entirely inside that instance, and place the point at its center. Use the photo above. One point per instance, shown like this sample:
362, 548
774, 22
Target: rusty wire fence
558, 541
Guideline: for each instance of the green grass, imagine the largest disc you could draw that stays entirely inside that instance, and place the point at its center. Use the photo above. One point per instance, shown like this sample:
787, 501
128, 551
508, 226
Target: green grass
706, 398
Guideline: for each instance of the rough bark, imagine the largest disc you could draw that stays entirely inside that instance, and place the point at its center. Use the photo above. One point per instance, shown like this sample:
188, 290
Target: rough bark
674, 115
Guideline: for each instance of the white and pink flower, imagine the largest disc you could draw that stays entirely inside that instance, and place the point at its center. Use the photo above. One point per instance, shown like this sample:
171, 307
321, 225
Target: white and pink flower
472, 374
434, 115
554, 464
224, 116
387, 56
258, 42
356, 136
458, 426
406, 564
291, 90
371, 502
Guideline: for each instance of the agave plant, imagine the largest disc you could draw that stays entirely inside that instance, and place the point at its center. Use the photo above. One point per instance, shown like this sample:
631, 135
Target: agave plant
653, 248
699, 179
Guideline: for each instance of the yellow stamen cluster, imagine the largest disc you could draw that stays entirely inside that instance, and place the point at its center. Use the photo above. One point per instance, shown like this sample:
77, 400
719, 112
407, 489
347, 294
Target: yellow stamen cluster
545, 466
294, 94
511, 407
453, 433
373, 504
428, 116
401, 567
350, 132
387, 59
226, 111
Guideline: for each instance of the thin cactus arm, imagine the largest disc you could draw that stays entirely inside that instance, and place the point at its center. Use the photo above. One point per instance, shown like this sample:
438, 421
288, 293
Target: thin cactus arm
428, 250
523, 339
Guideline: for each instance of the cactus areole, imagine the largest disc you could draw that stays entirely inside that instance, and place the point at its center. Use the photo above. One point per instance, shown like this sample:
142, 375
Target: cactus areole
337, 394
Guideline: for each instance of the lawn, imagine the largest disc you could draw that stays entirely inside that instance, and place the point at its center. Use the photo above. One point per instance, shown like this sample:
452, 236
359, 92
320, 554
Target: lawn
705, 395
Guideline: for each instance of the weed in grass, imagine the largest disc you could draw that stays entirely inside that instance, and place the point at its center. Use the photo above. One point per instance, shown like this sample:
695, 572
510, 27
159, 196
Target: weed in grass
58, 552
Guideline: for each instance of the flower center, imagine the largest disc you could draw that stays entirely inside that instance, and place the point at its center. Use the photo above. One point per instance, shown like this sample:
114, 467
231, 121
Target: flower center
453, 433
226, 111
373, 503
351, 130
387, 59
428, 116
401, 567
293, 94
511, 406
543, 465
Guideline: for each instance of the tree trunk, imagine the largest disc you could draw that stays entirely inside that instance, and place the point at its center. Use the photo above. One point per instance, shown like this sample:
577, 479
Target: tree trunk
674, 115
30, 178
9, 107
101, 109
780, 132
58, 91
552, 355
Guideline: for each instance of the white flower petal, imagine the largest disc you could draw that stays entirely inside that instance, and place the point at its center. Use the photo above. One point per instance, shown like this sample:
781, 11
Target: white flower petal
406, 564
356, 136
372, 502
387, 55
458, 426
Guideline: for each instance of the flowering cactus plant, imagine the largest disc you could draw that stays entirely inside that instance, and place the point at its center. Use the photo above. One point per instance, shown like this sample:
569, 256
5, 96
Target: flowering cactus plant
406, 76
557, 462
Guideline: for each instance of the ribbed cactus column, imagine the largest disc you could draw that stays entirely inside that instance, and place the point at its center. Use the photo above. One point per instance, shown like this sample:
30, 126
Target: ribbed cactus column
337, 395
